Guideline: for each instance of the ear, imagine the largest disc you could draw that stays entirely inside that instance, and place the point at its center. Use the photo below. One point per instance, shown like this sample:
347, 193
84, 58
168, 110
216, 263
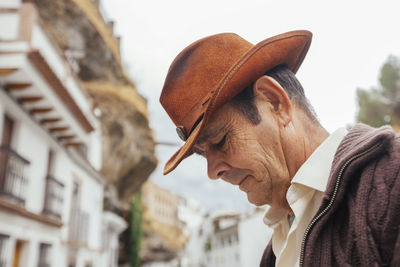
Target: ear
268, 89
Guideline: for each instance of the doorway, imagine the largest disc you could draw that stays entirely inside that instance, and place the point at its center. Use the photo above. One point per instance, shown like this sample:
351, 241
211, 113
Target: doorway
19, 258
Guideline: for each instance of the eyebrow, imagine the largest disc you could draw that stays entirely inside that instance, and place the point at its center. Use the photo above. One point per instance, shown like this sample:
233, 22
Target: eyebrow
204, 137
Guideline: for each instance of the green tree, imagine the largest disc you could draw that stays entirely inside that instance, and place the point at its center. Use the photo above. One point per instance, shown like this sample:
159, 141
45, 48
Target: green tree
381, 105
135, 227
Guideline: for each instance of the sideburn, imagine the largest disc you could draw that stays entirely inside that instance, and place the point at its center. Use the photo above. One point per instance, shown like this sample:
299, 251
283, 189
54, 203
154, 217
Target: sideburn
245, 105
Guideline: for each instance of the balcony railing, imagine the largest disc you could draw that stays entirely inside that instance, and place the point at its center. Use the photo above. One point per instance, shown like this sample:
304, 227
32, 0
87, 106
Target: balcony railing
54, 197
12, 180
79, 226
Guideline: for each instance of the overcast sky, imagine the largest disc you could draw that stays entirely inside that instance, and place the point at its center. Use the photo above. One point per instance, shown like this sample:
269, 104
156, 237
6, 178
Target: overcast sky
351, 41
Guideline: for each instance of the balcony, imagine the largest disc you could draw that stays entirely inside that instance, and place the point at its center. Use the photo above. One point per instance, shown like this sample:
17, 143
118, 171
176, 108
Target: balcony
54, 197
13, 183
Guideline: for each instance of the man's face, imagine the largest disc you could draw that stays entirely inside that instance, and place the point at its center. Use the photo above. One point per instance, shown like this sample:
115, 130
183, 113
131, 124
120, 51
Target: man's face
247, 155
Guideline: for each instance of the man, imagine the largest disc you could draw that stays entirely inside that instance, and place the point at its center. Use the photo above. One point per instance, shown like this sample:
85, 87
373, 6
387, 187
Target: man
335, 199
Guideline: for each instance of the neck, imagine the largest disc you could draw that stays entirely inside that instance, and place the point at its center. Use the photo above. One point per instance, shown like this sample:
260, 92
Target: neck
313, 136
304, 137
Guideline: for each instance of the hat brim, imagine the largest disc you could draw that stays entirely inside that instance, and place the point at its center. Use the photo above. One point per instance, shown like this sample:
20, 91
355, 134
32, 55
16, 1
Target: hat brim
285, 49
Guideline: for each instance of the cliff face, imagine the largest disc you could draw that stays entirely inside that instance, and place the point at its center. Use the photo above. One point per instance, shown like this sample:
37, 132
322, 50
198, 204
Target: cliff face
128, 146
89, 45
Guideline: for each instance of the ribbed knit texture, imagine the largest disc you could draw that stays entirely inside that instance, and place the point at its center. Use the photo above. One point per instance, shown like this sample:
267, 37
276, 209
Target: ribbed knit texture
361, 228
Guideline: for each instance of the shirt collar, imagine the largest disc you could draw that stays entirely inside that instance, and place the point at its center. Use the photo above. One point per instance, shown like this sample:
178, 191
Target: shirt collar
314, 172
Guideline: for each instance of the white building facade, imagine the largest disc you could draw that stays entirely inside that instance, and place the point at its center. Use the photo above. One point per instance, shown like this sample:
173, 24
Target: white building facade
228, 239
51, 193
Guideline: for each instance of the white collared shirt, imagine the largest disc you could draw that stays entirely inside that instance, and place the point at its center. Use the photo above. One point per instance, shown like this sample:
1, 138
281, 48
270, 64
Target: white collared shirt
304, 197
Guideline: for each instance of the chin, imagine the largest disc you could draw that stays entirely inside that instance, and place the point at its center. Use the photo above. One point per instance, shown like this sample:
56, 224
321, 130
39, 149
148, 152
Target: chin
256, 201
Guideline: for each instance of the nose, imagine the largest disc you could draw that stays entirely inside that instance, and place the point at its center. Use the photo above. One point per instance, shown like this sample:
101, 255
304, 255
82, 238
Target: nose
216, 166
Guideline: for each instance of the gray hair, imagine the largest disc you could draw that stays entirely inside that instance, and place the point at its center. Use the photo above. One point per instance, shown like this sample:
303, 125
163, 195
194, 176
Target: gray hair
244, 101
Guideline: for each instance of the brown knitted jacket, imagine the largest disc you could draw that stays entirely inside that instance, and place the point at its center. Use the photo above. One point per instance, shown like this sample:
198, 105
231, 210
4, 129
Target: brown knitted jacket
358, 221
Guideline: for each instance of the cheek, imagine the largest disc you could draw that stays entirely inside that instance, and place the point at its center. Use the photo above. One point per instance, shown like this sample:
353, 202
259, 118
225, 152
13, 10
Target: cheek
249, 154
243, 147
274, 160
261, 156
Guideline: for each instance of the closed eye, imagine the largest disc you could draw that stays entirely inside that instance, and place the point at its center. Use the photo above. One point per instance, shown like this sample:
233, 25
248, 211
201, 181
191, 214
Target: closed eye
222, 142
198, 151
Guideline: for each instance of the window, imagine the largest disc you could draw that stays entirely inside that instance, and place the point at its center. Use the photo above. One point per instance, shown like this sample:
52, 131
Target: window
54, 198
13, 182
75, 212
3, 249
54, 190
50, 163
79, 219
83, 149
44, 255
8, 126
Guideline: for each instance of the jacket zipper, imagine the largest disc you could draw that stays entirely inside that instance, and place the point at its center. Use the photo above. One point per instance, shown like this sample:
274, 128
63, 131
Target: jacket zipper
316, 218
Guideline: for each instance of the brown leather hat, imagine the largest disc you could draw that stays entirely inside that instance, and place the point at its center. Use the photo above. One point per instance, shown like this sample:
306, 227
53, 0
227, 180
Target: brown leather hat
210, 72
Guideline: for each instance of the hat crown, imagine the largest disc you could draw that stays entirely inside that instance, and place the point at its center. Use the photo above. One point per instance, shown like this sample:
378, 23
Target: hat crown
197, 71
